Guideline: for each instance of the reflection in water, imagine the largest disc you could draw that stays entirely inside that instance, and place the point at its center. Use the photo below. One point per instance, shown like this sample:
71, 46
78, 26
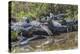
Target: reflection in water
56, 42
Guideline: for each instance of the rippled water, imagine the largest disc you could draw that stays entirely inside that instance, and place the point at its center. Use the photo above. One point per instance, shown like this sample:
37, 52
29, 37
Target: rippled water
56, 42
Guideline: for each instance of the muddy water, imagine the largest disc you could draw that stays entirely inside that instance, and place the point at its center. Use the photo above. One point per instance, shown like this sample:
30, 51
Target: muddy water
56, 42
